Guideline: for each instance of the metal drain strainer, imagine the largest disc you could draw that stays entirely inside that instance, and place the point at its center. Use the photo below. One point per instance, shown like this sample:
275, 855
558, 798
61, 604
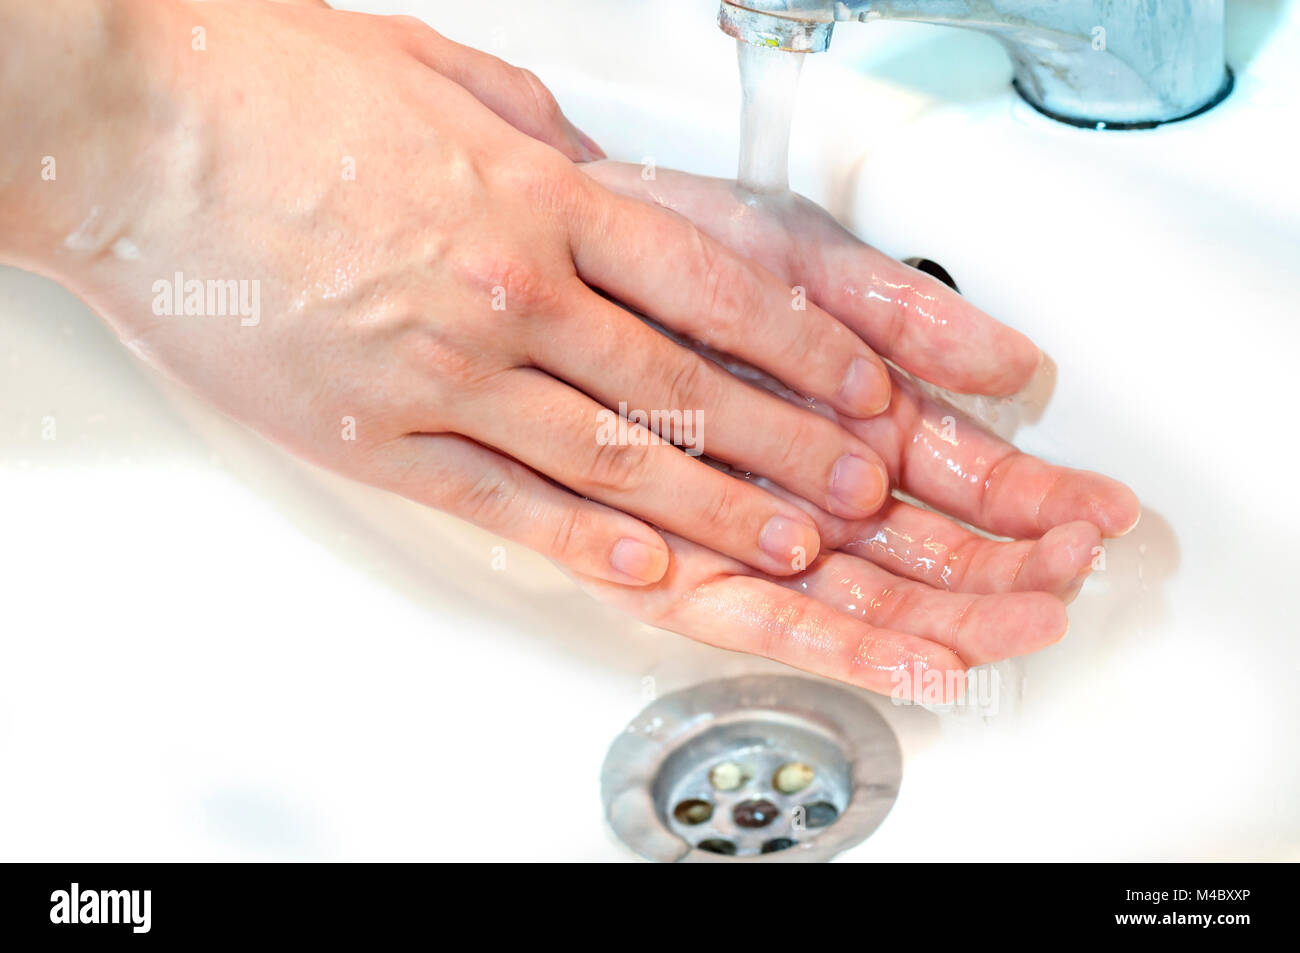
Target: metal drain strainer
764, 767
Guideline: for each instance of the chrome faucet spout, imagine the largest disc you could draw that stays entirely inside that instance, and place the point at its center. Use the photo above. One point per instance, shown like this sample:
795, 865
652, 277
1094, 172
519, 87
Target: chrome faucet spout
1104, 63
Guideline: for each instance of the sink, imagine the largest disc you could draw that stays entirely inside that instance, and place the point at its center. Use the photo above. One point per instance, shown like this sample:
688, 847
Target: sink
244, 657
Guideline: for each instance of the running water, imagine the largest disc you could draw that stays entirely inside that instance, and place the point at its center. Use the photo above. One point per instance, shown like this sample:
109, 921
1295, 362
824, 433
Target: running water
769, 79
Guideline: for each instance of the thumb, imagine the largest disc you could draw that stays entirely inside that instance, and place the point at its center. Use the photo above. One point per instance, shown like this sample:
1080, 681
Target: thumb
514, 94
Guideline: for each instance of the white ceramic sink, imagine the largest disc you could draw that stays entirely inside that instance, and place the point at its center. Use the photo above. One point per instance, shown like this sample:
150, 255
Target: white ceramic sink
213, 651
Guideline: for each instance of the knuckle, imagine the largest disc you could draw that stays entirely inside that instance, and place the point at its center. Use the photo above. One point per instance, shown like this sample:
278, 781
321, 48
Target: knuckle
544, 101
426, 352
568, 535
409, 26
811, 342
618, 467
960, 558
896, 325
447, 362
722, 508
790, 622
805, 435
507, 280
727, 292
537, 176
487, 501
895, 603
692, 384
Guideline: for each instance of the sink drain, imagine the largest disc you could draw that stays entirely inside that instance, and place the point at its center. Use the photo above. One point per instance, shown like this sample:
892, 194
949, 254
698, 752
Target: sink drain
755, 768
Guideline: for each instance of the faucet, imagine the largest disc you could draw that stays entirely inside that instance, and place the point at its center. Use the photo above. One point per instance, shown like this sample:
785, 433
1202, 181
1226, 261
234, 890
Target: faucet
1112, 64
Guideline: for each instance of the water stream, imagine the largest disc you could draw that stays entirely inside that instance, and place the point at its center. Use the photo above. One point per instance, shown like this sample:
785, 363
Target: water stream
769, 80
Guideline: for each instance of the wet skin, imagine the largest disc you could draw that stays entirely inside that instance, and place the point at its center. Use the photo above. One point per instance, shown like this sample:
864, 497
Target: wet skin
428, 256
907, 587
454, 297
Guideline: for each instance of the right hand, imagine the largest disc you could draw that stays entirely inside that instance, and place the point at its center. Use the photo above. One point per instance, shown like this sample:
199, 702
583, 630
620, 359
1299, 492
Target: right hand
429, 271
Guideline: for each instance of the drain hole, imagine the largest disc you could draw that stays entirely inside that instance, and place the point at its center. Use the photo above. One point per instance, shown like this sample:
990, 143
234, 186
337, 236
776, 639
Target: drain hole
746, 767
694, 811
792, 777
933, 269
756, 813
820, 814
729, 776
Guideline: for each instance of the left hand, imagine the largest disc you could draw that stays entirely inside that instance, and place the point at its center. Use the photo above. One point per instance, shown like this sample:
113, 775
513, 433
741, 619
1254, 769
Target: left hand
908, 590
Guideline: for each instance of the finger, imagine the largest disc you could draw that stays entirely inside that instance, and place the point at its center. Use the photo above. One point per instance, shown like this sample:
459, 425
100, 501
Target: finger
694, 285
979, 628
930, 548
455, 474
905, 315
591, 450
953, 464
922, 324
703, 596
514, 94
632, 365
748, 614
938, 455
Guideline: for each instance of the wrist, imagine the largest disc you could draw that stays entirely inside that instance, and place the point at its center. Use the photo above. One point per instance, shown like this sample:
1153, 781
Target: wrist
79, 105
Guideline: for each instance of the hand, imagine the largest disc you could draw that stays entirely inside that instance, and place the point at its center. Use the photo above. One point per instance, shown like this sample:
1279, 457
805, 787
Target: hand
413, 253
910, 591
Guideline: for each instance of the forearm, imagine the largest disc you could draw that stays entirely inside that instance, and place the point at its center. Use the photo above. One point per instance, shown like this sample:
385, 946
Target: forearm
75, 112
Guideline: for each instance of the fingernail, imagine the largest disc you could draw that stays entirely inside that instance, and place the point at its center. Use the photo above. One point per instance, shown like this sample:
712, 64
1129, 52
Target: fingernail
587, 146
788, 541
590, 145
1073, 589
1131, 526
634, 558
865, 390
857, 485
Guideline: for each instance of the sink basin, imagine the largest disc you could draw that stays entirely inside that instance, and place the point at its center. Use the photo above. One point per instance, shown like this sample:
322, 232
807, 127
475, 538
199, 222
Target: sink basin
215, 651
